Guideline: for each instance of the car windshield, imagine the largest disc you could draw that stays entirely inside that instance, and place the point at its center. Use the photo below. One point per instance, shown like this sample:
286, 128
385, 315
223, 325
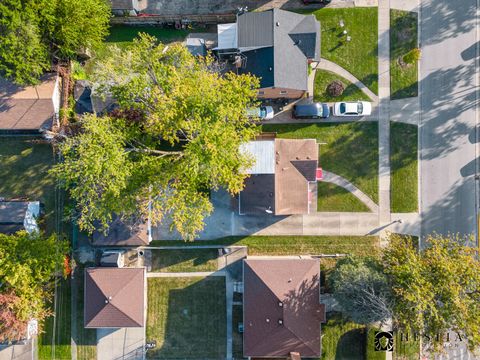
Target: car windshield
342, 108
360, 108
263, 112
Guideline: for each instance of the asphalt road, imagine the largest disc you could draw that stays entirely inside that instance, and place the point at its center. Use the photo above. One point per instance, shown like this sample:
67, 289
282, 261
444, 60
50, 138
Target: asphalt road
448, 87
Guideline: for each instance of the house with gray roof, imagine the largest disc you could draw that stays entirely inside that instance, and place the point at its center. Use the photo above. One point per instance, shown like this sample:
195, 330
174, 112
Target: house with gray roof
276, 46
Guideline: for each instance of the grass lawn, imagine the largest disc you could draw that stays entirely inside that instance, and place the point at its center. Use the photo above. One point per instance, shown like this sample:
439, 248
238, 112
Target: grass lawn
403, 38
359, 56
404, 167
331, 197
54, 343
86, 339
323, 78
122, 35
294, 245
184, 260
187, 318
342, 339
24, 166
350, 150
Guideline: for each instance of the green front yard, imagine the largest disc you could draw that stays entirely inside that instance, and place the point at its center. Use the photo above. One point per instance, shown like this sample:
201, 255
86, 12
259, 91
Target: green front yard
54, 342
358, 56
184, 260
331, 197
24, 166
187, 318
403, 38
323, 78
349, 150
404, 167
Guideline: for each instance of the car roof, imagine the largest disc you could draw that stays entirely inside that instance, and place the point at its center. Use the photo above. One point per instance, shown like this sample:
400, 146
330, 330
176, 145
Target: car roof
351, 107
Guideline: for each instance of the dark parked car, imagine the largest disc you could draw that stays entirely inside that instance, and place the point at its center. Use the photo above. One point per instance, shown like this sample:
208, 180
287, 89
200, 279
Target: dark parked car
311, 111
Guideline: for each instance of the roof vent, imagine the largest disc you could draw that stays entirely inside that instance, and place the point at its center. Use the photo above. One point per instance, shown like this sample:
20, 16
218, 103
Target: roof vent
280, 321
280, 304
270, 68
290, 280
106, 301
277, 23
267, 320
308, 157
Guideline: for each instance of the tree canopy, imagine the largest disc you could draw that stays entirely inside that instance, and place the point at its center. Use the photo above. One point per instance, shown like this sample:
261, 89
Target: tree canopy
33, 33
175, 137
362, 289
436, 289
28, 264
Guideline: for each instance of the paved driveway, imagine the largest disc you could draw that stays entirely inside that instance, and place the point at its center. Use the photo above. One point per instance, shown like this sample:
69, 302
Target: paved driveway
448, 90
120, 344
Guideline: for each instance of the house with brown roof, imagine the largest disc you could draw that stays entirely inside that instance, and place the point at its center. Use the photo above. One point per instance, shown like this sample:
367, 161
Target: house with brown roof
25, 109
114, 297
282, 314
283, 180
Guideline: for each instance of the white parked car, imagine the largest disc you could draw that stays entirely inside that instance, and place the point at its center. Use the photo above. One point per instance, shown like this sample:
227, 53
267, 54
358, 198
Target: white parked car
352, 108
262, 112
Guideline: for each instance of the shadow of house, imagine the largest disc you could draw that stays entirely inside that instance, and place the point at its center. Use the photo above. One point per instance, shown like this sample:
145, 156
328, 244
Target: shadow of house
191, 324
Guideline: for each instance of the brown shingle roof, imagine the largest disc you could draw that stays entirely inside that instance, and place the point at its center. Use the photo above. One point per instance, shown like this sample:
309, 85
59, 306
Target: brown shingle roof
27, 108
295, 163
114, 297
282, 313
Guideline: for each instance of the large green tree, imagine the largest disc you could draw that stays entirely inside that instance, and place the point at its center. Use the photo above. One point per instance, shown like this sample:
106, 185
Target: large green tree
34, 33
362, 289
28, 265
176, 136
436, 289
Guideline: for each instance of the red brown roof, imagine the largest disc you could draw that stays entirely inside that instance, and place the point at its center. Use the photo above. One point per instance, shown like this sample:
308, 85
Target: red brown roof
29, 107
296, 161
114, 297
282, 312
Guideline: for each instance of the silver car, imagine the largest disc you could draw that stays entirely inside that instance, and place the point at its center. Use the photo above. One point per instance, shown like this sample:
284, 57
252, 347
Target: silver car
352, 108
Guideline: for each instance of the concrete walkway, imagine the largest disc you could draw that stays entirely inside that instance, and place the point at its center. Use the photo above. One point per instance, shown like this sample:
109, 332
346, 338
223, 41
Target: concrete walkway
328, 65
347, 185
384, 109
